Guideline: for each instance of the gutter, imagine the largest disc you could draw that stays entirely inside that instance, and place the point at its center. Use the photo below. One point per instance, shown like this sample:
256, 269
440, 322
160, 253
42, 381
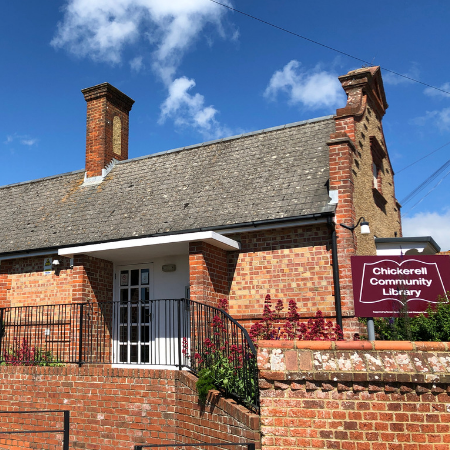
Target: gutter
225, 229
28, 254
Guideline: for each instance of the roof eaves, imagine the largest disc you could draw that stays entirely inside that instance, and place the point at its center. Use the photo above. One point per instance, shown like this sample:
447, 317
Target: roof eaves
326, 211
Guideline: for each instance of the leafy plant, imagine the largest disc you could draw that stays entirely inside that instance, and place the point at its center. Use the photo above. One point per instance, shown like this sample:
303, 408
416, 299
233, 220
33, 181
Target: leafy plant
269, 328
204, 384
22, 354
225, 367
434, 325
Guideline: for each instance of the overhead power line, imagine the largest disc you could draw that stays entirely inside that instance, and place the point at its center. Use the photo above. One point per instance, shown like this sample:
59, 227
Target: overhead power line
327, 46
429, 192
420, 159
423, 185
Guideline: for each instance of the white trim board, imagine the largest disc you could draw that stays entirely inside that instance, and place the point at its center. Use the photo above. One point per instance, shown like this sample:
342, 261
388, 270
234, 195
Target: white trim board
210, 237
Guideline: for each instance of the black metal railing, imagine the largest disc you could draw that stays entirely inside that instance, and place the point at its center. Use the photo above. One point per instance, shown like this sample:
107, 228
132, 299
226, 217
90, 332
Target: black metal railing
34, 423
220, 343
166, 332
247, 445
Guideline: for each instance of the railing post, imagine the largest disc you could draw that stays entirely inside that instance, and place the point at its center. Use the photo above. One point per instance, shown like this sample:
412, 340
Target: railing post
80, 337
66, 430
2, 333
251, 446
179, 334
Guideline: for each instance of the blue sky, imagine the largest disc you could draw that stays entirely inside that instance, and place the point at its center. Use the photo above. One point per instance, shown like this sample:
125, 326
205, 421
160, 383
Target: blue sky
199, 71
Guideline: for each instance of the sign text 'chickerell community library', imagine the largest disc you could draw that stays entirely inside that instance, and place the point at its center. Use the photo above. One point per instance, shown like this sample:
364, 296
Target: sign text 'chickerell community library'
385, 286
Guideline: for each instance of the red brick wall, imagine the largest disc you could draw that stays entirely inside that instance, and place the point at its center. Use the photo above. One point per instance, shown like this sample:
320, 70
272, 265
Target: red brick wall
23, 283
288, 263
221, 420
119, 408
355, 395
93, 279
207, 273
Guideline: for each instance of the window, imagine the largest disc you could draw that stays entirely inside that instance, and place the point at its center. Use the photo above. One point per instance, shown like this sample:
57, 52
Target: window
378, 155
376, 173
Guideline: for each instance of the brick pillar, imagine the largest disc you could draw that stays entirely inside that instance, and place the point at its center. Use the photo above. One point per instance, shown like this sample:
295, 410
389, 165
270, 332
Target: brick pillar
79, 280
362, 86
207, 273
341, 151
5, 283
92, 279
107, 127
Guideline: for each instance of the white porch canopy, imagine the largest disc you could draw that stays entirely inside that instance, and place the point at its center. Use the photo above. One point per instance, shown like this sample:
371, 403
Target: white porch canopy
138, 250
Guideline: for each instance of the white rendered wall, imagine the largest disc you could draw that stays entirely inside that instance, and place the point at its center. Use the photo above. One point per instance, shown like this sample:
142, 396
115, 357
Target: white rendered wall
170, 284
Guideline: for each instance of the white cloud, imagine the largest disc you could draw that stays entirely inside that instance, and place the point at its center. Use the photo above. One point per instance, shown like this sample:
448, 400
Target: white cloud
22, 139
440, 118
189, 109
101, 29
315, 89
136, 64
432, 224
439, 94
28, 142
395, 80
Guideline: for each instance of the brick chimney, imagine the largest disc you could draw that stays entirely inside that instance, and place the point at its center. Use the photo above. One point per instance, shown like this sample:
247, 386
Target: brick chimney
361, 86
107, 127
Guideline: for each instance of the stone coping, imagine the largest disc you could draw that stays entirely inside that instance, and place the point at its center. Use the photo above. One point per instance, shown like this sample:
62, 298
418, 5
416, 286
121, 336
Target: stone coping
358, 345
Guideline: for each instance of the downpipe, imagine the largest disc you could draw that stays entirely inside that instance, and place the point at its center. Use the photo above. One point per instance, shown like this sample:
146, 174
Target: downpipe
337, 288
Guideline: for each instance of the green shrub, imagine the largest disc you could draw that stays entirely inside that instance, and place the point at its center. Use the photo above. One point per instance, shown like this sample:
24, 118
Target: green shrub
226, 367
204, 384
434, 325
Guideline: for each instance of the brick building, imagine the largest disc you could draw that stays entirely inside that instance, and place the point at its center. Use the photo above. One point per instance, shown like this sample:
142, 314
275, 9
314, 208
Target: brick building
235, 218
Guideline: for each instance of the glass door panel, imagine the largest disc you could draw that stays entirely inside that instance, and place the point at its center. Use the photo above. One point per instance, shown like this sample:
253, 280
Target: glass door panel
133, 316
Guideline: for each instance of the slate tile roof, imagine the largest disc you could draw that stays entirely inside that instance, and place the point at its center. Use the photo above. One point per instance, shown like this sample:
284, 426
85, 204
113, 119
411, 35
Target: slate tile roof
270, 174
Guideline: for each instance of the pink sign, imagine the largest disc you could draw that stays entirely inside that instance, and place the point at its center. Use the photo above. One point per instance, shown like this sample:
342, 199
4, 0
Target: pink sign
383, 286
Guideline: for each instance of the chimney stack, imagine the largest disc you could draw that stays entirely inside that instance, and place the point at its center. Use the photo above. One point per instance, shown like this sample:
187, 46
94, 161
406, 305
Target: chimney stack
363, 85
107, 127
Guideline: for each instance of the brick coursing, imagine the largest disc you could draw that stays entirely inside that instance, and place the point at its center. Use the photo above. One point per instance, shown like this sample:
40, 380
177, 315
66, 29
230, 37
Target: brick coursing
355, 395
118, 408
289, 263
220, 420
104, 103
23, 282
358, 127
207, 273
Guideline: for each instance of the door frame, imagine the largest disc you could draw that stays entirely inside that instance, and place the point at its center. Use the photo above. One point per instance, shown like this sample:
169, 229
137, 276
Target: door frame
116, 315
